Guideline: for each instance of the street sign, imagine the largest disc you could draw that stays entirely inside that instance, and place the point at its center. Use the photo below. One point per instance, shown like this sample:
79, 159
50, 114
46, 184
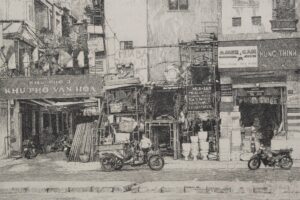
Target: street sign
51, 87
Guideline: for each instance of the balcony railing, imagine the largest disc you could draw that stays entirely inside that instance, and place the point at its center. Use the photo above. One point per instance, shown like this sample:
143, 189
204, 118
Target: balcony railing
284, 19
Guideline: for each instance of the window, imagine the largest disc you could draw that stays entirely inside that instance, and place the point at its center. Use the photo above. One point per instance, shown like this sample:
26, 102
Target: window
178, 4
126, 45
236, 21
256, 20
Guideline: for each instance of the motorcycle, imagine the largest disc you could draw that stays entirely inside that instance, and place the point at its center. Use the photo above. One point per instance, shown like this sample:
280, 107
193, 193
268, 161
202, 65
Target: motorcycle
133, 156
280, 158
30, 150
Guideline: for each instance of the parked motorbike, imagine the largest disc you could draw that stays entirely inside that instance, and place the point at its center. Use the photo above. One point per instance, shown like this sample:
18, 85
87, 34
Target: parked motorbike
280, 158
115, 160
67, 147
30, 150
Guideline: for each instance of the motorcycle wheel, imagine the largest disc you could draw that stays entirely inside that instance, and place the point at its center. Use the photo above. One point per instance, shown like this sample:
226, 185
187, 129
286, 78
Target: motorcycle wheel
254, 163
107, 164
156, 162
286, 162
118, 164
27, 155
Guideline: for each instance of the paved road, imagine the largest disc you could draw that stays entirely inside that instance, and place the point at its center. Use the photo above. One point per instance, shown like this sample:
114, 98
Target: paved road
130, 196
48, 168
140, 175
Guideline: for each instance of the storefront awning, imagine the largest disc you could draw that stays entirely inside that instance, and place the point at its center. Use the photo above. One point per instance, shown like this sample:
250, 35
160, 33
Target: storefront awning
258, 81
51, 104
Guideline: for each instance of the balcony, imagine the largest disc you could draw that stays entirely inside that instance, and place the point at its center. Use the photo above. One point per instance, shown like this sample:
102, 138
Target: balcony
284, 25
284, 19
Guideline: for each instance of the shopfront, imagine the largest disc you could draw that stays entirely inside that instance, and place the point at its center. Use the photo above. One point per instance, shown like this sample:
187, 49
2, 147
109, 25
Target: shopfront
45, 109
255, 95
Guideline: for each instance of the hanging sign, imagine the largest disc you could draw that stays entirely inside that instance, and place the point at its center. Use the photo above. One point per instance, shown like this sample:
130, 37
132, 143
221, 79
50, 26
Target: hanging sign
226, 89
51, 87
199, 97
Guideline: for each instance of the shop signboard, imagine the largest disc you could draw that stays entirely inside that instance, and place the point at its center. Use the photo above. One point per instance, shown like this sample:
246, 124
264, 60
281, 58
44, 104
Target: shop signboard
51, 87
279, 54
200, 97
237, 57
269, 54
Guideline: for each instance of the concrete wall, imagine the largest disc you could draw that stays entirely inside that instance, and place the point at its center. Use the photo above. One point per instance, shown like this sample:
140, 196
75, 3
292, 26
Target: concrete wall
3, 126
150, 23
246, 9
17, 10
126, 21
232, 8
167, 27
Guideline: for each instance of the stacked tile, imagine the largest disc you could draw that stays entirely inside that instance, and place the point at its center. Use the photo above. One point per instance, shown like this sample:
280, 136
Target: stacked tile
225, 149
204, 145
236, 138
226, 124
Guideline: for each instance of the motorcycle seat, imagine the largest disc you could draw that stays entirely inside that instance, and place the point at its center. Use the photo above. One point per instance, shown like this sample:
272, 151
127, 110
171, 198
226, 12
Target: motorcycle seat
276, 152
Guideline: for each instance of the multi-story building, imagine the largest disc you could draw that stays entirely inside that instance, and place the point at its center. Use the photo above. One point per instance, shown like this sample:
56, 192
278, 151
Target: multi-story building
44, 80
258, 61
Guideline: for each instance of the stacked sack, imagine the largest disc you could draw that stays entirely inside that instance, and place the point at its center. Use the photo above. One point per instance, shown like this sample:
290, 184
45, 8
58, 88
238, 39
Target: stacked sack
204, 145
236, 138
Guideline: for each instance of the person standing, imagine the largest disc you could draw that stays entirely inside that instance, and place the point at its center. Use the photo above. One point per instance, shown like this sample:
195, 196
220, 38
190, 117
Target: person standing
145, 145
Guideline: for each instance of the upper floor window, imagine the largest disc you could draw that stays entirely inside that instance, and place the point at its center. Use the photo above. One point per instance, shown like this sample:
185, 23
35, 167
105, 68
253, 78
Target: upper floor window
126, 45
256, 20
178, 4
284, 9
236, 21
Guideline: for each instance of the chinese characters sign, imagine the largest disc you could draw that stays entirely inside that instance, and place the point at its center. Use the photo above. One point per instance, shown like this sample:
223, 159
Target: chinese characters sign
51, 87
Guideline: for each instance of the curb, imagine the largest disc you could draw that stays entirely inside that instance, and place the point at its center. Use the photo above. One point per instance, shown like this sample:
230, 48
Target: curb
200, 187
65, 187
210, 187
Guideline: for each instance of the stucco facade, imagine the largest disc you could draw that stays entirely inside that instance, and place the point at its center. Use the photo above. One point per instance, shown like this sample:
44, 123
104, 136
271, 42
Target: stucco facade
155, 31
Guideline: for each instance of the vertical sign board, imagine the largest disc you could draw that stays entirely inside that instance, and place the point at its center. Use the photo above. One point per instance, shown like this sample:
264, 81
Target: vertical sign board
51, 87
200, 97
226, 90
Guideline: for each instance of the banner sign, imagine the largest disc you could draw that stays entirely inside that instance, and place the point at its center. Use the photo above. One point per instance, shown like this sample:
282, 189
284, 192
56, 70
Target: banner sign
237, 57
51, 87
200, 98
